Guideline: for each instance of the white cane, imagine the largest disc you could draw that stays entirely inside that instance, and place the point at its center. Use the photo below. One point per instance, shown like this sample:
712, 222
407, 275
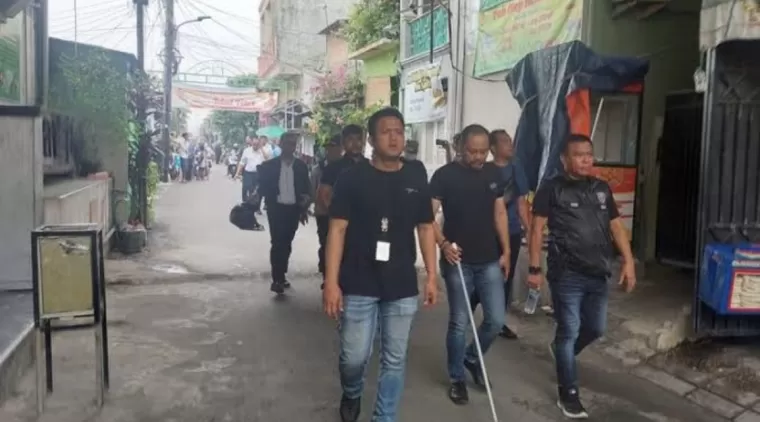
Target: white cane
476, 340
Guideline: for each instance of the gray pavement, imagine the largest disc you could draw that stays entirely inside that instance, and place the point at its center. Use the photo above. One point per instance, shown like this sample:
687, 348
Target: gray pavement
224, 349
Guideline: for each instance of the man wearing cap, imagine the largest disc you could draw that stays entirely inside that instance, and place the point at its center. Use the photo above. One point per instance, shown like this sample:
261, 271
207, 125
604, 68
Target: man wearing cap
333, 153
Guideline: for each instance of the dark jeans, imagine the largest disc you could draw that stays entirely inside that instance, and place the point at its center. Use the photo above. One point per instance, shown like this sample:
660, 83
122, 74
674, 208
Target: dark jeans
250, 179
283, 223
515, 243
358, 326
487, 280
323, 224
580, 310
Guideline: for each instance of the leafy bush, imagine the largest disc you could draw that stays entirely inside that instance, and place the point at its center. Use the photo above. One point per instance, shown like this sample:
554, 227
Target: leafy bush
372, 20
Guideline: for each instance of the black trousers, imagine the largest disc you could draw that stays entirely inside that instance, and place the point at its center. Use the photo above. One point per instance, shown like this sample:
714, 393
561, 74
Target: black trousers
515, 242
323, 224
283, 223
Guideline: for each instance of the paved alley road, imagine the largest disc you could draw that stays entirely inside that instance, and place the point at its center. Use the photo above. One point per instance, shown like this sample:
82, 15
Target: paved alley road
225, 350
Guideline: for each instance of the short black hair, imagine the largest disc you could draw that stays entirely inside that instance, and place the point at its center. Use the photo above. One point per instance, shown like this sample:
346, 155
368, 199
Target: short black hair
493, 137
374, 119
576, 138
471, 130
289, 135
349, 130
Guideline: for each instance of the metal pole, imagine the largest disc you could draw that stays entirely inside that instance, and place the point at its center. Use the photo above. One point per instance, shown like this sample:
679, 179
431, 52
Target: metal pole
432, 39
169, 39
143, 150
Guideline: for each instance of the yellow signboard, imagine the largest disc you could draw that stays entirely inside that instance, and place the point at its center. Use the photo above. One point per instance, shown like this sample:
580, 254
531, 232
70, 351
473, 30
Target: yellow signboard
65, 276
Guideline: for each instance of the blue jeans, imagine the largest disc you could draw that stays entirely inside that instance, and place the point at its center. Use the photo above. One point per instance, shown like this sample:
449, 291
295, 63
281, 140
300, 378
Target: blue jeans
487, 281
580, 310
358, 326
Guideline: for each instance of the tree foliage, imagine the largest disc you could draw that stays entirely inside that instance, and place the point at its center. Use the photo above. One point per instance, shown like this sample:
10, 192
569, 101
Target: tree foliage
91, 89
372, 20
234, 126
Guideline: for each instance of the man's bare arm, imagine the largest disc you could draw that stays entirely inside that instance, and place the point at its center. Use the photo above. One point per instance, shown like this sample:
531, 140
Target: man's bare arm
536, 242
438, 233
501, 222
324, 197
620, 236
523, 210
336, 238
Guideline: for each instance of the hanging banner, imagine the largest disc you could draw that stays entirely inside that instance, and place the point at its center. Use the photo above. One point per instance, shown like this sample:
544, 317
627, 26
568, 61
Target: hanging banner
424, 99
723, 20
514, 28
248, 100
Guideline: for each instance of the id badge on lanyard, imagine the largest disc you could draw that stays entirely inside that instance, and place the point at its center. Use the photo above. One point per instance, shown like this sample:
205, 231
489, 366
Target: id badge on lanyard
383, 247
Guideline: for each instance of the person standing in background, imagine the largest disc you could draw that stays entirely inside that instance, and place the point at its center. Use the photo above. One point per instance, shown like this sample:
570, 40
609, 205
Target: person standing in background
352, 139
266, 148
250, 160
333, 153
189, 170
276, 150
518, 214
284, 185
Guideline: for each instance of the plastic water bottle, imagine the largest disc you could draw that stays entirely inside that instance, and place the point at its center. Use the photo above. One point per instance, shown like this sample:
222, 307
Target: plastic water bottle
532, 301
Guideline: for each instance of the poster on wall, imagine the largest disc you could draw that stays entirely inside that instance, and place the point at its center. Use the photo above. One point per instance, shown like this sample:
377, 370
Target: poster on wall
723, 20
510, 29
622, 181
424, 99
10, 59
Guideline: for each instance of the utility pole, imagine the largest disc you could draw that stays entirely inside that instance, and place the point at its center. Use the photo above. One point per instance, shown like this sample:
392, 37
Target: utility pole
169, 39
143, 150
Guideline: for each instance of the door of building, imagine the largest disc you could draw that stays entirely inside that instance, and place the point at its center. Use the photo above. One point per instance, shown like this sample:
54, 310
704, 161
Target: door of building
678, 156
729, 204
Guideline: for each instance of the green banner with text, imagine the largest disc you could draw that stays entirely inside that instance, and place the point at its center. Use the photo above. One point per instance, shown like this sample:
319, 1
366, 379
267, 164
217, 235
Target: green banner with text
514, 28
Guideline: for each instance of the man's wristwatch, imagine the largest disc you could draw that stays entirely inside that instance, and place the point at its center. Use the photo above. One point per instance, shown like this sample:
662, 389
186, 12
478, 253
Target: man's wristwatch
534, 270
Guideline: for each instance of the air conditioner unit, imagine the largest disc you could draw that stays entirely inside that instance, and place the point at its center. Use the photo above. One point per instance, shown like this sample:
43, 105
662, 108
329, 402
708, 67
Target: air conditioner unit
10, 8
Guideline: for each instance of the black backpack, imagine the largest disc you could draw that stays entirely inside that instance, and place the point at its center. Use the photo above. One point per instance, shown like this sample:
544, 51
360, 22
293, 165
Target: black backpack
243, 216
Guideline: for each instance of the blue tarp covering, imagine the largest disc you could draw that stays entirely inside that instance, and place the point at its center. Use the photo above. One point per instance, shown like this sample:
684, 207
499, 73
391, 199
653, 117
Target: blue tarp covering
541, 82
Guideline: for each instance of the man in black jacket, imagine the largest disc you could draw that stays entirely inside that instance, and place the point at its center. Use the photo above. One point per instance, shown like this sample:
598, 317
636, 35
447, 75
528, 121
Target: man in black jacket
285, 187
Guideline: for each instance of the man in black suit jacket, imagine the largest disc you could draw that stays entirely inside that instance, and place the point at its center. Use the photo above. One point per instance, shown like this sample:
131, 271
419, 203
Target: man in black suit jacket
286, 189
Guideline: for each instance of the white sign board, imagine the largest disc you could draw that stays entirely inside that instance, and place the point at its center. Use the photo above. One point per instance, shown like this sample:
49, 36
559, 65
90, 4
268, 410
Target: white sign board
424, 99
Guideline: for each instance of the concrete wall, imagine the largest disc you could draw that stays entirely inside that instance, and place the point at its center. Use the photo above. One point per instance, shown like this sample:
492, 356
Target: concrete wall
337, 52
78, 201
20, 177
21, 190
670, 42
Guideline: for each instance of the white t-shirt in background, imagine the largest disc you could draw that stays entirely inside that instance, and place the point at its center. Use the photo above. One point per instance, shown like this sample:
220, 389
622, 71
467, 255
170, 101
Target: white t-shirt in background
251, 159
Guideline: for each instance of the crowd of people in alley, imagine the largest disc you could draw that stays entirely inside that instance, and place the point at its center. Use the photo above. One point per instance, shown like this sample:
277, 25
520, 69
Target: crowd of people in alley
373, 213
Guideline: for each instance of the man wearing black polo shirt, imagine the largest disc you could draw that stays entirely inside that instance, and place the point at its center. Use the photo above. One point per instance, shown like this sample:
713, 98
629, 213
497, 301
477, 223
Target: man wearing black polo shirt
473, 209
352, 138
584, 228
371, 276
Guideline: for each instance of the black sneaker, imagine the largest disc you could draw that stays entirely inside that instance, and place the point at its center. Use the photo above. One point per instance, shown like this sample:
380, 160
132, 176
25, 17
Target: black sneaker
286, 284
507, 333
458, 393
570, 404
350, 409
477, 374
277, 287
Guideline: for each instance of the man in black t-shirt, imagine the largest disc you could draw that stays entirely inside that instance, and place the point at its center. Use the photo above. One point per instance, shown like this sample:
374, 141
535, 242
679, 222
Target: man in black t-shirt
474, 212
370, 273
584, 228
334, 151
